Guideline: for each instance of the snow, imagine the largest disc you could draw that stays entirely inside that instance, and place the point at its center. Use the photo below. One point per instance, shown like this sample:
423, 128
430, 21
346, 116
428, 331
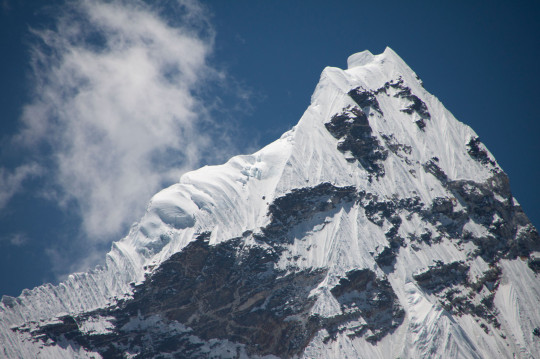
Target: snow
359, 59
97, 325
232, 198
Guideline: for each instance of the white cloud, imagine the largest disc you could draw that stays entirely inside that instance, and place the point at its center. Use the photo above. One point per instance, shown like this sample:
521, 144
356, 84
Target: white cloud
11, 181
115, 106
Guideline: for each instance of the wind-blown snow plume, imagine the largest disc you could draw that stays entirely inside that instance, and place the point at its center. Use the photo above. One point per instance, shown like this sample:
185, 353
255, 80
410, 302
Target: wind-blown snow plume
115, 104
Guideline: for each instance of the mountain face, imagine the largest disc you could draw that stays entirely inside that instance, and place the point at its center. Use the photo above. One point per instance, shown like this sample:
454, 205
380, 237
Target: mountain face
378, 227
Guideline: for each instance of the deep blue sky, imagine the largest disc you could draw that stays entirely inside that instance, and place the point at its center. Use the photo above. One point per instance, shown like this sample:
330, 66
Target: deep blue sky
480, 60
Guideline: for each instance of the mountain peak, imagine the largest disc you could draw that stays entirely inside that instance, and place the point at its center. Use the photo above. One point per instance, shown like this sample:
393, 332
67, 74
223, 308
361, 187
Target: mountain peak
379, 227
359, 59
365, 57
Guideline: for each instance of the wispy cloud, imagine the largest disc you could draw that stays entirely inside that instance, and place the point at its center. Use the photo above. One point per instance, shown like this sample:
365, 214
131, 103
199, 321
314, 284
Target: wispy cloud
12, 180
15, 239
117, 107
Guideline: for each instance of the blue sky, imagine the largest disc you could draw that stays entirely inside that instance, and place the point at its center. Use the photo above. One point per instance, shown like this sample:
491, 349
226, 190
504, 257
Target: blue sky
79, 158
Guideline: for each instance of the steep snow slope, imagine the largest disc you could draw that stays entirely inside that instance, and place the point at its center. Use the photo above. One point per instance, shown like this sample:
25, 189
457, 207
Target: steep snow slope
378, 227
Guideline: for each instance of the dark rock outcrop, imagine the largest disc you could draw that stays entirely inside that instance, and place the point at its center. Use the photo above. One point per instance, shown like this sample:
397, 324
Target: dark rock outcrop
477, 153
365, 99
450, 283
432, 167
362, 295
378, 211
415, 105
491, 204
399, 149
386, 257
534, 264
302, 204
352, 128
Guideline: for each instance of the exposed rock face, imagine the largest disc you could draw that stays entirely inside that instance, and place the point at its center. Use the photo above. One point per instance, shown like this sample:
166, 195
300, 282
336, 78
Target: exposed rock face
363, 296
365, 99
414, 104
228, 291
352, 128
432, 167
302, 204
233, 292
399, 149
534, 264
491, 204
478, 153
457, 294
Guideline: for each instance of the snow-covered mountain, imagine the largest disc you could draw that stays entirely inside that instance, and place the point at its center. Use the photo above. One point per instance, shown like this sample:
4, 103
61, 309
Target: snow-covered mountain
378, 227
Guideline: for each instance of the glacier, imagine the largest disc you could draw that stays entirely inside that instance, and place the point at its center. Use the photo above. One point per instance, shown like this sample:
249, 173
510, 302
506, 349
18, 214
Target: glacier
378, 227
